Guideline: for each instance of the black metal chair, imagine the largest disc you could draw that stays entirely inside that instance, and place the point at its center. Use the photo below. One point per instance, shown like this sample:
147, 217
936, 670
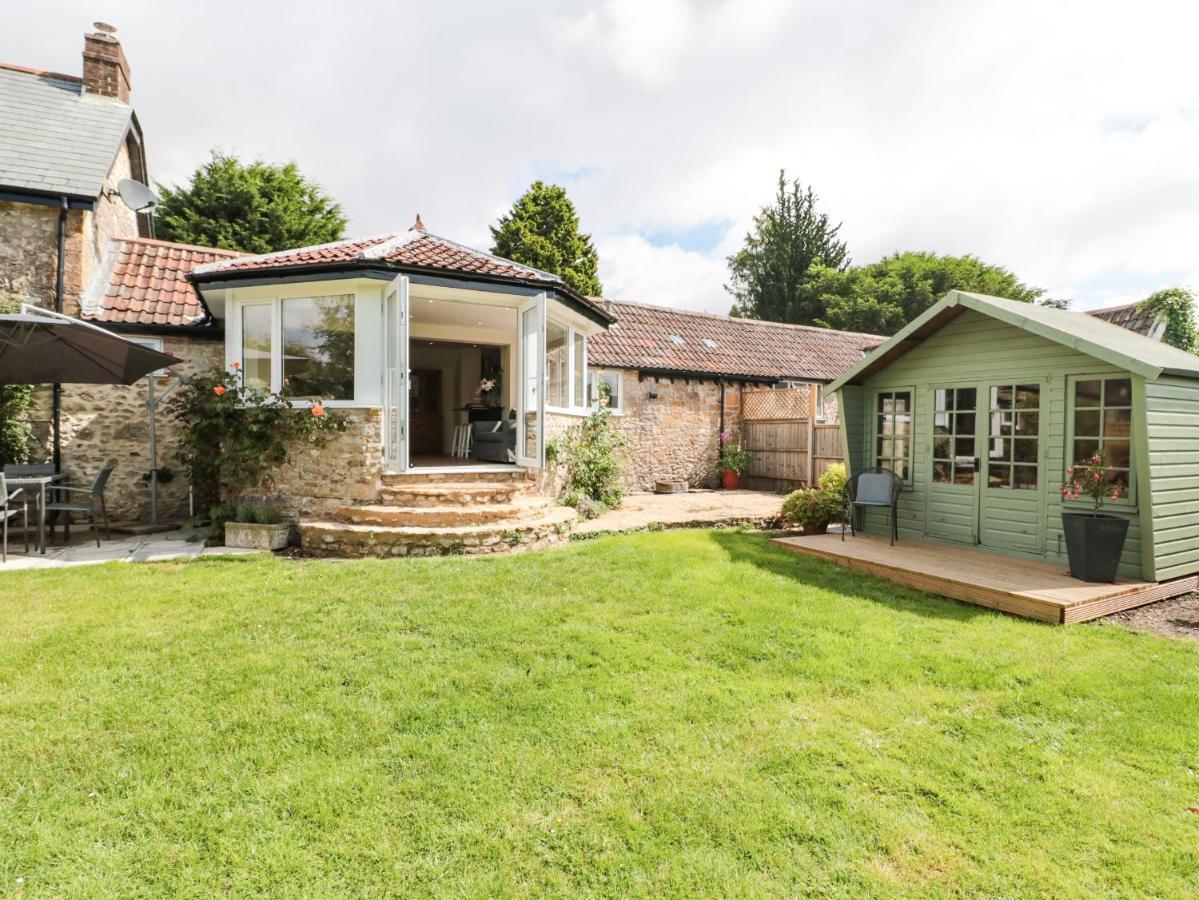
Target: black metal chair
877, 488
94, 500
10, 508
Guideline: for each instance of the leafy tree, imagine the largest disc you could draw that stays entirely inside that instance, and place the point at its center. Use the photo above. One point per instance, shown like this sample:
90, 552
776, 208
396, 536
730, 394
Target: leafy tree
16, 401
788, 240
1177, 306
542, 230
253, 207
882, 297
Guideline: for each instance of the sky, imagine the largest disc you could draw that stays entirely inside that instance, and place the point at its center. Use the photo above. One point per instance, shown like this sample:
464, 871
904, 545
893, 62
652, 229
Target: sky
1057, 139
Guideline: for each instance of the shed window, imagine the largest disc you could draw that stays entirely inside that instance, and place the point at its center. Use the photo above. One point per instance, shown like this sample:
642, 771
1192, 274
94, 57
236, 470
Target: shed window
893, 432
954, 411
1013, 436
1102, 423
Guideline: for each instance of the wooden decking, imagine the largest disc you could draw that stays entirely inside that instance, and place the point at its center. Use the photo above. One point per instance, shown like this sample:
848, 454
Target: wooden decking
1029, 588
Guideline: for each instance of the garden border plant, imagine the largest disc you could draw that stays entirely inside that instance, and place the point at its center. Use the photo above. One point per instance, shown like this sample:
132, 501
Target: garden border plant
814, 508
593, 454
234, 433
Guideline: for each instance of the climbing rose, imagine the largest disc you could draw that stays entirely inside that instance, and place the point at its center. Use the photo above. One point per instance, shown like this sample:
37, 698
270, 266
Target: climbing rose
237, 365
318, 410
219, 390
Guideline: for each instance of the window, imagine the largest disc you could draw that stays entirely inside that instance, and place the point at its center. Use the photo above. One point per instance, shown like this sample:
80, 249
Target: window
1013, 436
604, 386
821, 415
152, 343
1102, 423
565, 366
953, 435
318, 347
708, 342
256, 344
893, 432
674, 338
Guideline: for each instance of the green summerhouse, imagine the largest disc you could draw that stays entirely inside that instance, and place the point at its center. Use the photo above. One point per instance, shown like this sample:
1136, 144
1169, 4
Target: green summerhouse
981, 403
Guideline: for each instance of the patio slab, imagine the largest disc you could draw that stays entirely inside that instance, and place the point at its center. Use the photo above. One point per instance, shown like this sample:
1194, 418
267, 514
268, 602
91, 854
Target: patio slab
153, 547
694, 509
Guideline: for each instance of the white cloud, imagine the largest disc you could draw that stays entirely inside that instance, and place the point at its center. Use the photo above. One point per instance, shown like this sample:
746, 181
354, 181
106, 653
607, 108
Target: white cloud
1056, 139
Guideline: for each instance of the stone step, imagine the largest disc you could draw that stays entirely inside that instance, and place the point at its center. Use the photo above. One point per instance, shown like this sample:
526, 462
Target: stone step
496, 475
436, 516
548, 527
450, 493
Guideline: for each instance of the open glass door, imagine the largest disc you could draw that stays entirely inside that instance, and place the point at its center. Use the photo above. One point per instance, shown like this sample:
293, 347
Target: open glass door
530, 444
395, 375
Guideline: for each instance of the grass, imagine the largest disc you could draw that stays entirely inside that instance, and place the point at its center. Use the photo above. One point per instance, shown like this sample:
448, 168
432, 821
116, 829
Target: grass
679, 713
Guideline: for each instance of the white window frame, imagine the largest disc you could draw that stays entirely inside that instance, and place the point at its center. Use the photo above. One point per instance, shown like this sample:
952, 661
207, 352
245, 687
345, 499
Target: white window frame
616, 407
576, 406
233, 352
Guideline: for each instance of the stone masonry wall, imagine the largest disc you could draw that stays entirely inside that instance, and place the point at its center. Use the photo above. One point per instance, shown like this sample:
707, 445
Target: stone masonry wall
314, 481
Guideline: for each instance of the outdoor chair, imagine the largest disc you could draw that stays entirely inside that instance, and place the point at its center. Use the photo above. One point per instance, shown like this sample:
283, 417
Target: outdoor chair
874, 488
92, 499
9, 508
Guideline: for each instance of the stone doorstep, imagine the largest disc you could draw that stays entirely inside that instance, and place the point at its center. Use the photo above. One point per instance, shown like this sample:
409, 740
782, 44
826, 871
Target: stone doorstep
522, 477
442, 516
552, 518
449, 494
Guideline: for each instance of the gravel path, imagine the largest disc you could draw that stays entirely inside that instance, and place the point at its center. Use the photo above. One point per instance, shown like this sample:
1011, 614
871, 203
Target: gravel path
1177, 617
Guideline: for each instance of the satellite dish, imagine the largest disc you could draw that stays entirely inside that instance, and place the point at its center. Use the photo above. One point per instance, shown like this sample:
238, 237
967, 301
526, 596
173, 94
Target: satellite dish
136, 195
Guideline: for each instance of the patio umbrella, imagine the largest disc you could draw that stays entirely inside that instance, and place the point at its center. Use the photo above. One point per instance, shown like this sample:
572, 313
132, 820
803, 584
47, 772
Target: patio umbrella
45, 348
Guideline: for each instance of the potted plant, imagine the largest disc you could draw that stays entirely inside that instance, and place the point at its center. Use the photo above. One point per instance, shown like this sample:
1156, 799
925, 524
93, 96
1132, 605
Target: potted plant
486, 386
732, 460
257, 526
814, 508
1094, 539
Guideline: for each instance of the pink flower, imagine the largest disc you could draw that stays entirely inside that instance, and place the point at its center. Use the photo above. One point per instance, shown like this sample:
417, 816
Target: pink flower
237, 365
219, 390
1116, 494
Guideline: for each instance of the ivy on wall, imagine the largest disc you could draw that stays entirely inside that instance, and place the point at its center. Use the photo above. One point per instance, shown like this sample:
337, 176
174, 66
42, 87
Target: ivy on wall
1177, 306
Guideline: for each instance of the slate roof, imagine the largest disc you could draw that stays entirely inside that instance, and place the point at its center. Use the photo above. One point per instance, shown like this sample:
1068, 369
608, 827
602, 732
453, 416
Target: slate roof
55, 138
644, 337
143, 281
1133, 317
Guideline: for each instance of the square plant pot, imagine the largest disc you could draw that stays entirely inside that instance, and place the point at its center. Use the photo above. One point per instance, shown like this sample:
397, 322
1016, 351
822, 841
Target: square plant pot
252, 536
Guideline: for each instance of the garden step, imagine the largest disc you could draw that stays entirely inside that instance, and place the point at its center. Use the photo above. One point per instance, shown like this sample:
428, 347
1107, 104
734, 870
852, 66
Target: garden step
433, 516
546, 528
510, 474
450, 493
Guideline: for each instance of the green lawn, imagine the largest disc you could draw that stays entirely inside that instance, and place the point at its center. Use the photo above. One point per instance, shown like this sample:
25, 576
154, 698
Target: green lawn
678, 713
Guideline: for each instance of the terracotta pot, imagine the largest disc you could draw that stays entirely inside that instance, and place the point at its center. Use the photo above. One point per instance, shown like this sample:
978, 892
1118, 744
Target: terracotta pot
730, 479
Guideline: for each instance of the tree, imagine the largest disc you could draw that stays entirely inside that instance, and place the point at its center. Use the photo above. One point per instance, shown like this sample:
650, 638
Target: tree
542, 230
882, 297
16, 402
1177, 306
253, 207
787, 241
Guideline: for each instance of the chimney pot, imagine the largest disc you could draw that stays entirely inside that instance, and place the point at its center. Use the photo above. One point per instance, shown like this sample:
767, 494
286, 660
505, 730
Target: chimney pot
105, 69
418, 225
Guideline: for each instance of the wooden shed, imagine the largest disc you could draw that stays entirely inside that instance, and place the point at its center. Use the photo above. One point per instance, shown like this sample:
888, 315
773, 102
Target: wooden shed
982, 402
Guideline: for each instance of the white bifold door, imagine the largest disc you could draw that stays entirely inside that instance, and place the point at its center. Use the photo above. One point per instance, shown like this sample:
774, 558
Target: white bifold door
395, 375
530, 439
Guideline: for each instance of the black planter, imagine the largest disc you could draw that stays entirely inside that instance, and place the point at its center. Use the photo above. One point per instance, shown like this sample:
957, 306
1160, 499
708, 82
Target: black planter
1094, 542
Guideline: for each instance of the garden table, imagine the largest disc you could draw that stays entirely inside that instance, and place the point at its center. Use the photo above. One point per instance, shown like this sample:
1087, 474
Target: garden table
38, 482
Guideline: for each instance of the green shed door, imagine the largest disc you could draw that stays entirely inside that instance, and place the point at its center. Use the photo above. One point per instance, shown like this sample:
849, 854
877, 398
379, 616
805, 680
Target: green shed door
1010, 510
953, 494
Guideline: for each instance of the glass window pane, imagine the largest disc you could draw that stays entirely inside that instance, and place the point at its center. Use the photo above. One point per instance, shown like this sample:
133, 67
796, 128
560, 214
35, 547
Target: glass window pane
903, 423
963, 474
1117, 422
580, 371
318, 347
884, 403
1117, 392
1116, 453
999, 476
963, 446
1001, 423
1120, 479
1086, 393
885, 424
1028, 424
1001, 397
1000, 449
964, 423
1028, 396
903, 402
943, 399
556, 362
884, 447
256, 345
1025, 450
966, 399
900, 468
942, 472
1086, 423
605, 390
941, 423
941, 449
1085, 449
1025, 477
900, 448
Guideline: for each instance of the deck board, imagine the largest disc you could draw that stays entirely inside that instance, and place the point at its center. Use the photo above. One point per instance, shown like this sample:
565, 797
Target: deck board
1031, 588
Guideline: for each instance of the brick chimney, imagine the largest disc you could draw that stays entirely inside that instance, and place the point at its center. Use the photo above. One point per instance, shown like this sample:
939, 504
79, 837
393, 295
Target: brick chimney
105, 70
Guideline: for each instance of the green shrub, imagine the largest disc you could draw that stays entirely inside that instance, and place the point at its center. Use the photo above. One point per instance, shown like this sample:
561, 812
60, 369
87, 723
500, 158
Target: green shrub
593, 454
16, 435
814, 508
834, 479
732, 456
255, 514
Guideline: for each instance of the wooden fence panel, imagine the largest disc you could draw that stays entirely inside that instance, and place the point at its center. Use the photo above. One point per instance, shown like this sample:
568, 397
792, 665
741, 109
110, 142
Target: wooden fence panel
777, 430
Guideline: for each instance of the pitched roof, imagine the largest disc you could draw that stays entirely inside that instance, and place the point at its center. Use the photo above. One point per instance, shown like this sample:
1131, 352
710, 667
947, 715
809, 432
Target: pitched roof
1078, 331
1132, 316
411, 249
55, 138
143, 281
661, 339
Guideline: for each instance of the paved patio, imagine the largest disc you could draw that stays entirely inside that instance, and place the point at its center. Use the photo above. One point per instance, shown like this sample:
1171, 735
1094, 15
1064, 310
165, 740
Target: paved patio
83, 551
694, 509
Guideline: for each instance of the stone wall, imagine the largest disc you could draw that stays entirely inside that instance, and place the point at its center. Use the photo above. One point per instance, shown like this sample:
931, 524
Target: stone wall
315, 481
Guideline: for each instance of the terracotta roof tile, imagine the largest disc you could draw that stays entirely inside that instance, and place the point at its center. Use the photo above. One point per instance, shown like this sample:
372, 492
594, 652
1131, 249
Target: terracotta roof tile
144, 281
722, 345
1132, 317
